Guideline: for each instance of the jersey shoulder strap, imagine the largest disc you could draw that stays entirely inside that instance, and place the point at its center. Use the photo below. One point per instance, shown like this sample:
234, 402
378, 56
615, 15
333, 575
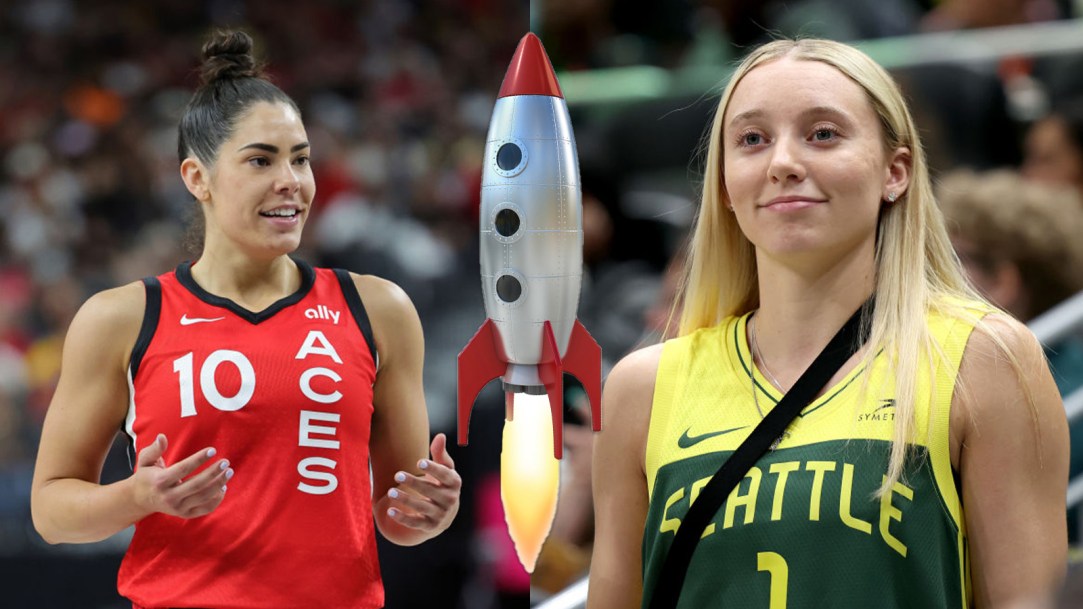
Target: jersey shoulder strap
357, 310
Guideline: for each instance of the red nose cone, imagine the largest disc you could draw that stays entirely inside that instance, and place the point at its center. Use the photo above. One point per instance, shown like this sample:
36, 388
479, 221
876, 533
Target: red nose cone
530, 72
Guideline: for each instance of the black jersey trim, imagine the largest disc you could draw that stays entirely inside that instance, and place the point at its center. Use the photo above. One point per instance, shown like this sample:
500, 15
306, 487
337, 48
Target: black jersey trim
357, 309
151, 312
308, 279
814, 406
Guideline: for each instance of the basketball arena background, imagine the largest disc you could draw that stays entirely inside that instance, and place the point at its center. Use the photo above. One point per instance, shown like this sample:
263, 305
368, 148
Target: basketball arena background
396, 96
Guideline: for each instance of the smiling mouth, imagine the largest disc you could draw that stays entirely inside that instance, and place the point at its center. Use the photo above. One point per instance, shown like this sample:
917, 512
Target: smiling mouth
279, 213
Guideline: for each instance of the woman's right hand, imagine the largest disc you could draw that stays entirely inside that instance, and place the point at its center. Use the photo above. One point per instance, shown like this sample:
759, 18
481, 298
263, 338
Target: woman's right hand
173, 489
69, 504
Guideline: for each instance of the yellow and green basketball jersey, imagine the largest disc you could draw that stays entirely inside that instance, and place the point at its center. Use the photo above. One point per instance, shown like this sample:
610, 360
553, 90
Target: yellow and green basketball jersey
804, 529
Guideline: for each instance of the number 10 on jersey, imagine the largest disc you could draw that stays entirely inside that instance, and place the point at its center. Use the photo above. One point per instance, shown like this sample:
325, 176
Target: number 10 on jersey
316, 469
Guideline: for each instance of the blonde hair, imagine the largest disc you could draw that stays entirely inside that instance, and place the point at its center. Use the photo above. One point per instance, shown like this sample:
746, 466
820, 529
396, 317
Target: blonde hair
917, 270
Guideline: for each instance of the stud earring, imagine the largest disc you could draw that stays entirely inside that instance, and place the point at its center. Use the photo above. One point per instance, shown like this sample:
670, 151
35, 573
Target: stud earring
891, 196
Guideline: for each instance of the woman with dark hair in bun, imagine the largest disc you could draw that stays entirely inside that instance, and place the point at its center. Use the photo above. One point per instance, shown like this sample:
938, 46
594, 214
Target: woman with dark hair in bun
249, 361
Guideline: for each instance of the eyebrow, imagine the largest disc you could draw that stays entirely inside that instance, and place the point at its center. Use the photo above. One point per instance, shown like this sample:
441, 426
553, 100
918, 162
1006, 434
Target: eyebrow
272, 148
813, 111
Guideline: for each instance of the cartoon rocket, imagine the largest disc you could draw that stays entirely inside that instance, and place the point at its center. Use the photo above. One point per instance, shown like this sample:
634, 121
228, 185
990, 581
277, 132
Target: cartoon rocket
531, 251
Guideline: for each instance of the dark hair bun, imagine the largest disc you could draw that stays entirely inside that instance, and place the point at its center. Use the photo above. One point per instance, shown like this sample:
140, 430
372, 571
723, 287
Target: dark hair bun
228, 55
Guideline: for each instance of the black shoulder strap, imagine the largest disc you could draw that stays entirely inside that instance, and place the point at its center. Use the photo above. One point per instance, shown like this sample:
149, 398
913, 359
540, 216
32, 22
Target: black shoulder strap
357, 309
843, 345
151, 312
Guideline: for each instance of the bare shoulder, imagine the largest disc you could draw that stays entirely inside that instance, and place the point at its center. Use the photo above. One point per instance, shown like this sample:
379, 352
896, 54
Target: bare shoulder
627, 399
383, 299
97, 352
993, 345
632, 379
396, 327
111, 319
121, 305
1005, 382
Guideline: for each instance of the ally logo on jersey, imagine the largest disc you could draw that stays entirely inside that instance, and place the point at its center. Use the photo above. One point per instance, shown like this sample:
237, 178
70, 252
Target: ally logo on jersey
323, 312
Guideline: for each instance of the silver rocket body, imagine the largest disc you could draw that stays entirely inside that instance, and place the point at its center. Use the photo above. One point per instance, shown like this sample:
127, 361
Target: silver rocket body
531, 230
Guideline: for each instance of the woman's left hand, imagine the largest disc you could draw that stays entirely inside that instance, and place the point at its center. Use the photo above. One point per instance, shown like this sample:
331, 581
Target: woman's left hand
430, 501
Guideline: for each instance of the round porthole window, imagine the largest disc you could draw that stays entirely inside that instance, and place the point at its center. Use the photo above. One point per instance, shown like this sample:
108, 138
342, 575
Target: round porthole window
507, 222
508, 288
509, 156
510, 159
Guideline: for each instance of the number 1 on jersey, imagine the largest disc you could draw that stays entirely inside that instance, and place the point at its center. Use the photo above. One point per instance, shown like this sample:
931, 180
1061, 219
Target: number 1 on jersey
776, 567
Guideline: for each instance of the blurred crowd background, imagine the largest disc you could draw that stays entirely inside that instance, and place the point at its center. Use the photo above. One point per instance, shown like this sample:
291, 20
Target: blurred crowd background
396, 96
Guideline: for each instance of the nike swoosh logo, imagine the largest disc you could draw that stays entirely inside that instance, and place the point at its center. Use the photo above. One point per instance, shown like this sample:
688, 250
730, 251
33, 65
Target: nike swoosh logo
687, 441
187, 321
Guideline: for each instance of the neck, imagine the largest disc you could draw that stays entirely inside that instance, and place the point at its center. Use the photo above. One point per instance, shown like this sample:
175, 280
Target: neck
251, 283
800, 311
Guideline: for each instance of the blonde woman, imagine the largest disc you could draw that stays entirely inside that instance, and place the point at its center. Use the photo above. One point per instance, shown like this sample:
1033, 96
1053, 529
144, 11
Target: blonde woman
929, 472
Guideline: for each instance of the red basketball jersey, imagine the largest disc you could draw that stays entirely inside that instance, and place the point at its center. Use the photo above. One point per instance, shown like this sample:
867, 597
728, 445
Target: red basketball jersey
286, 395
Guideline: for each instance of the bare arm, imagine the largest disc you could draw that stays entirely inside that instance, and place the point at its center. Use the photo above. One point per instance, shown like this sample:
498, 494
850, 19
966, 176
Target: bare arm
620, 483
67, 502
1014, 469
426, 498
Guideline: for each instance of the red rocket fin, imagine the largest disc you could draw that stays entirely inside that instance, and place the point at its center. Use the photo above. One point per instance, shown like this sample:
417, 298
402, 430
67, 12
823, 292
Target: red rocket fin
479, 362
583, 360
530, 72
551, 373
